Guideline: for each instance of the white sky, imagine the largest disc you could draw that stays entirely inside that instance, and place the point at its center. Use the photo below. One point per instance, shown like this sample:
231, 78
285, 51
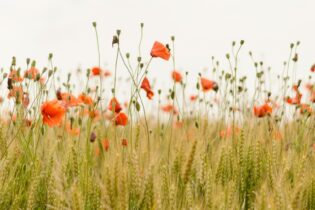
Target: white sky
202, 29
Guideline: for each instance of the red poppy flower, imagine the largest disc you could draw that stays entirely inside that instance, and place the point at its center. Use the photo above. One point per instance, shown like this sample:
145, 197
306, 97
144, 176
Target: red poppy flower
145, 85
208, 85
169, 108
193, 97
305, 109
261, 111
177, 77
96, 71
121, 119
85, 99
52, 112
69, 99
114, 105
159, 50
107, 73
313, 68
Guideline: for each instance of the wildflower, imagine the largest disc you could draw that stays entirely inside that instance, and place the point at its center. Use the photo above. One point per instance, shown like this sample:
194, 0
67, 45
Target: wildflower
261, 111
94, 114
69, 99
169, 108
114, 105
52, 112
105, 144
121, 119
208, 85
96, 71
193, 97
71, 130
107, 73
124, 142
298, 96
145, 85
305, 109
313, 68
31, 73
17, 93
83, 98
159, 50
15, 76
177, 77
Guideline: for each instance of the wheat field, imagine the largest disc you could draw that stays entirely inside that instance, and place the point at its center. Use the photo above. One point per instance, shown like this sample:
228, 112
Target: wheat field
66, 147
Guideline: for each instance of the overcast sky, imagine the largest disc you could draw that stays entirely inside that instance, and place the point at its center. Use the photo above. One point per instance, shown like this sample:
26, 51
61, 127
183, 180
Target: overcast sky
203, 28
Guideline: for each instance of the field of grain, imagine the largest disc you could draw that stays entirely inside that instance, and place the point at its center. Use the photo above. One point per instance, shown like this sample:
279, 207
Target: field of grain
222, 147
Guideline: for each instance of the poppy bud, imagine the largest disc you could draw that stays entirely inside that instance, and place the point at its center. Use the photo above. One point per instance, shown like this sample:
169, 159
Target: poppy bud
118, 32
13, 61
94, 24
10, 86
28, 61
92, 137
58, 94
242, 42
50, 56
127, 55
141, 25
115, 40
291, 45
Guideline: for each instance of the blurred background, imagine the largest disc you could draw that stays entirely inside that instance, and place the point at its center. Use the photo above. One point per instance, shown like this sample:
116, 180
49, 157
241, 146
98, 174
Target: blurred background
202, 28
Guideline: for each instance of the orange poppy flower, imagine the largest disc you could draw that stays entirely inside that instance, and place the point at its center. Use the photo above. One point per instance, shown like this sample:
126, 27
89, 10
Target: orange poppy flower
145, 85
15, 76
169, 108
121, 119
193, 97
71, 130
94, 114
107, 73
85, 99
261, 111
52, 112
69, 99
16, 92
305, 109
31, 73
105, 144
114, 104
159, 50
313, 68
311, 89
298, 96
177, 77
208, 85
96, 71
